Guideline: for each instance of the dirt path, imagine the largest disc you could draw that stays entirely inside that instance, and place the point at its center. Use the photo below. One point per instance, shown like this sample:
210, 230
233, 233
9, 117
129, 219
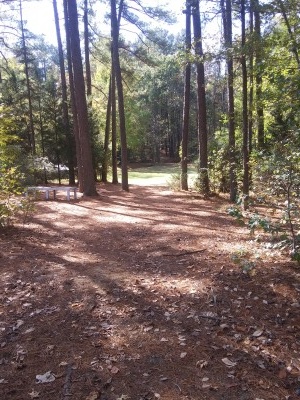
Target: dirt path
135, 296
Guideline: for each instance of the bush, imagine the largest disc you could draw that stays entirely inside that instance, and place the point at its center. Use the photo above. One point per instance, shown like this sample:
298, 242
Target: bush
13, 167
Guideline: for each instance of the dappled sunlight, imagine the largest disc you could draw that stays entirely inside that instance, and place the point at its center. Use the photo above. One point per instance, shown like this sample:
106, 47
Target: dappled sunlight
139, 293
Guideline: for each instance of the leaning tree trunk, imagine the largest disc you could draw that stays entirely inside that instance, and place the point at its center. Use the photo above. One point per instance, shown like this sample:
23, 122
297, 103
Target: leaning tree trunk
88, 179
201, 98
119, 84
245, 111
65, 110
186, 102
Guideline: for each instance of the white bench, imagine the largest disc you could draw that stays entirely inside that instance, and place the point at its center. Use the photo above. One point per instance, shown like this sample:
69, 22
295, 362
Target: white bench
54, 189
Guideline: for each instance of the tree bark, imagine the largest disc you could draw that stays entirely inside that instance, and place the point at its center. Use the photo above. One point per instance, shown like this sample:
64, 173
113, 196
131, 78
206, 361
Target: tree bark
88, 76
227, 24
88, 179
186, 102
65, 110
28, 87
114, 128
73, 101
106, 136
258, 77
251, 80
201, 99
245, 111
119, 84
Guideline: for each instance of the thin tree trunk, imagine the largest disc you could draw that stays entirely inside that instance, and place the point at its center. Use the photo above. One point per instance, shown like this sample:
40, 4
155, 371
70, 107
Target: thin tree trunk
106, 137
258, 77
227, 24
245, 111
251, 80
119, 84
114, 127
186, 103
42, 139
201, 98
88, 179
28, 87
88, 76
65, 110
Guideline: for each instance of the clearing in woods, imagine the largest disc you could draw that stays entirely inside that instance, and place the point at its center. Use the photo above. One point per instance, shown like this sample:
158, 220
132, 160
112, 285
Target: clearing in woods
136, 296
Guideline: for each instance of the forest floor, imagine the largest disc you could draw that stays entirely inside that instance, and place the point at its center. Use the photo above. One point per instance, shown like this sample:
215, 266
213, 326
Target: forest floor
136, 296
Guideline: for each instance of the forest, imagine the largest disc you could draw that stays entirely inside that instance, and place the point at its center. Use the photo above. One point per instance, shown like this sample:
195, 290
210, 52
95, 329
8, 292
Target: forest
134, 287
222, 95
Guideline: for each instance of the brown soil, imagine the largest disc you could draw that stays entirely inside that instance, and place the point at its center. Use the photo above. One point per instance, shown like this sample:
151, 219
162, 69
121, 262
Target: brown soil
135, 296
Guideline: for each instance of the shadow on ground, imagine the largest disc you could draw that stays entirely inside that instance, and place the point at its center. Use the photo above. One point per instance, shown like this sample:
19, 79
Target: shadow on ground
135, 296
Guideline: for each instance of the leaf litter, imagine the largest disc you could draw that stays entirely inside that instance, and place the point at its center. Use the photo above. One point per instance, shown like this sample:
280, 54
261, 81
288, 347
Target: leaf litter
126, 315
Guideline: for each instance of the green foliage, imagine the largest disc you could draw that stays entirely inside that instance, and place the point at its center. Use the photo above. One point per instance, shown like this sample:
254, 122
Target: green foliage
276, 187
242, 258
235, 212
174, 182
12, 206
256, 221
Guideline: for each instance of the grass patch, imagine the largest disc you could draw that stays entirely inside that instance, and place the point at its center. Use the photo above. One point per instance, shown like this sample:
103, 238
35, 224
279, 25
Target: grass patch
158, 174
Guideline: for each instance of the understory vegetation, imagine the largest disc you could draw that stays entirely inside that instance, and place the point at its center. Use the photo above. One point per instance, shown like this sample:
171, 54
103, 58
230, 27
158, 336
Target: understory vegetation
223, 100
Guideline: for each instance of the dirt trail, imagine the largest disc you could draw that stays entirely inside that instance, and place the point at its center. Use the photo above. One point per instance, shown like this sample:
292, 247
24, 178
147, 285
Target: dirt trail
135, 296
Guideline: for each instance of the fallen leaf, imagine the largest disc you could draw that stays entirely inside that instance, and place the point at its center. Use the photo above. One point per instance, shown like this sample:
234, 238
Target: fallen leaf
34, 394
201, 364
282, 374
228, 362
18, 325
114, 370
63, 364
45, 378
258, 333
206, 386
93, 396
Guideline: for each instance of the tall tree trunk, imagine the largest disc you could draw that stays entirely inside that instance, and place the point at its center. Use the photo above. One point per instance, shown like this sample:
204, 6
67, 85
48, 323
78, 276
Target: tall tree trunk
186, 102
258, 77
42, 138
106, 136
245, 111
28, 87
73, 100
65, 110
88, 179
227, 24
251, 80
114, 157
201, 99
119, 84
88, 76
